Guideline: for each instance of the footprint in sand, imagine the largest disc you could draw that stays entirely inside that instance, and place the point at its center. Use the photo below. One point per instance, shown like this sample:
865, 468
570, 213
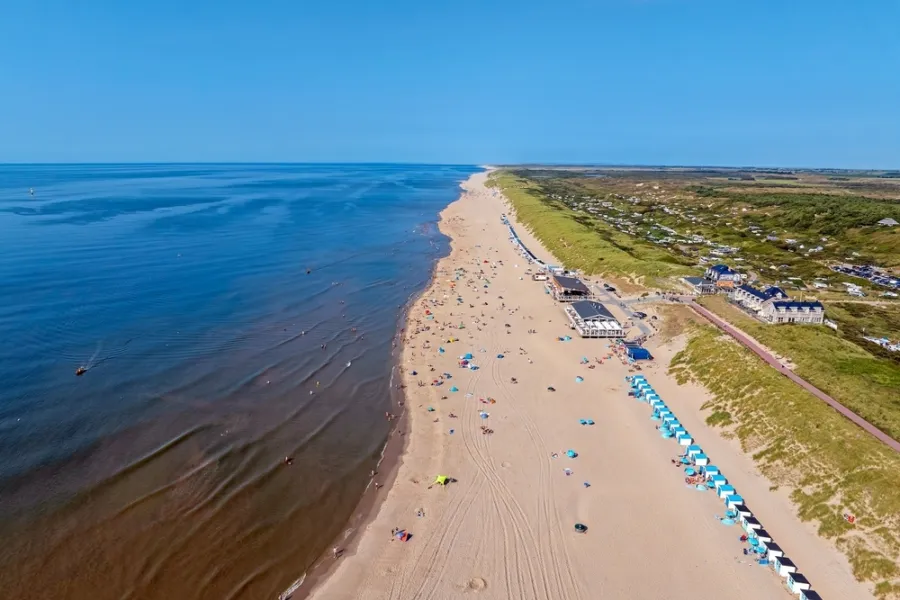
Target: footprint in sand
505, 465
476, 584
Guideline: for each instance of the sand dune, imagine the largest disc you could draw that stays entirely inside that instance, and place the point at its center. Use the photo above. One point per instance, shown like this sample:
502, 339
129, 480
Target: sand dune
505, 528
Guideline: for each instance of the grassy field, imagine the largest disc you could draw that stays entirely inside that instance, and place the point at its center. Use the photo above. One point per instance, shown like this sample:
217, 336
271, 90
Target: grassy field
585, 243
831, 466
867, 384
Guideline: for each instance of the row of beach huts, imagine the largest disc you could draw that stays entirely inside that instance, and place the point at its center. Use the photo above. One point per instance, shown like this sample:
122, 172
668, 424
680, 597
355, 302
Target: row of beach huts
700, 472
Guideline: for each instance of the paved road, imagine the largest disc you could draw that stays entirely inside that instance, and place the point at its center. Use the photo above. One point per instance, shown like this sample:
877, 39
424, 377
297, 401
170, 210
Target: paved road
608, 298
865, 425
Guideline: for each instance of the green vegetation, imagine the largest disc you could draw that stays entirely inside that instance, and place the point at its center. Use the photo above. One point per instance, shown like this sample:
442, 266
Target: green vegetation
585, 243
799, 442
863, 382
857, 321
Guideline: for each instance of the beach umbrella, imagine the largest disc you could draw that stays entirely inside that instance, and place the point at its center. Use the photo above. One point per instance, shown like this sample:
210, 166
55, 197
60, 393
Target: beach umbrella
571, 453
454, 389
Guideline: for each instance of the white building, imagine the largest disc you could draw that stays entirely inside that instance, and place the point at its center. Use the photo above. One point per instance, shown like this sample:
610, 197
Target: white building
593, 320
754, 299
791, 311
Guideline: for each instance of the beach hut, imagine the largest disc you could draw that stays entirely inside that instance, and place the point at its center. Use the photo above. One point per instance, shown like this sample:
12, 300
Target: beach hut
711, 470
773, 551
784, 566
809, 595
657, 405
741, 510
694, 449
674, 425
717, 480
668, 419
797, 583
750, 523
762, 536
733, 500
701, 460
685, 440
723, 491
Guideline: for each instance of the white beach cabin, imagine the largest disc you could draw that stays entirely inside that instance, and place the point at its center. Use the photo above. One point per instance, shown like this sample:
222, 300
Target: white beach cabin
750, 523
809, 595
723, 491
711, 471
701, 460
693, 450
685, 440
718, 480
784, 566
762, 535
797, 583
773, 551
732, 501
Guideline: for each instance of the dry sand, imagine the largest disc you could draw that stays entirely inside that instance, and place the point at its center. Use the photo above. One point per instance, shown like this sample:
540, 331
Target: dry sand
505, 528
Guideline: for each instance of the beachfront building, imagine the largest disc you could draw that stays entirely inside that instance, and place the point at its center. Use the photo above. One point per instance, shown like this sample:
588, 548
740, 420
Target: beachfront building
725, 278
568, 289
754, 298
593, 320
701, 285
791, 311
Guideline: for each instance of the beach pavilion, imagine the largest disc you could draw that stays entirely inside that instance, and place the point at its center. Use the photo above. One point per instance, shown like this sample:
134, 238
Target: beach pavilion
568, 289
593, 320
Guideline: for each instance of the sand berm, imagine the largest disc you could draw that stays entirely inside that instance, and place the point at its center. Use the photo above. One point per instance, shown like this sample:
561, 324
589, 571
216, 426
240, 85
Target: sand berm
504, 527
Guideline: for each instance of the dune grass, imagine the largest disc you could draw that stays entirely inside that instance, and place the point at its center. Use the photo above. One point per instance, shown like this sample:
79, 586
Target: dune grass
586, 243
867, 384
831, 466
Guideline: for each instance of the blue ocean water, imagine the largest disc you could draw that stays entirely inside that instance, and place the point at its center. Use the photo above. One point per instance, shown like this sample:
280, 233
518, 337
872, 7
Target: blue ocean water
227, 316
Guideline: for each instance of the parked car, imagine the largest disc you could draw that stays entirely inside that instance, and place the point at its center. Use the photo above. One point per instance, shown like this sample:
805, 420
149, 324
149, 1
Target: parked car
640, 315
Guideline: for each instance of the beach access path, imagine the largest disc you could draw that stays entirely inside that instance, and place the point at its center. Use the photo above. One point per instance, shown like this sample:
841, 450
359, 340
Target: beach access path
504, 528
770, 359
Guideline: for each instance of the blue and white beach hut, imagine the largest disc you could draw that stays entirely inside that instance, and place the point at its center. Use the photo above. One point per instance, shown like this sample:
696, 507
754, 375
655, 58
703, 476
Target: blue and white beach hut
773, 551
673, 425
723, 491
741, 510
761, 535
669, 419
657, 405
711, 471
701, 460
732, 501
694, 449
685, 440
810, 595
797, 583
677, 431
718, 481
784, 566
750, 523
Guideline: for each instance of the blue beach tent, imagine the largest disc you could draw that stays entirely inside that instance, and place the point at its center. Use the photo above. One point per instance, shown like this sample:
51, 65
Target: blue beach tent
638, 353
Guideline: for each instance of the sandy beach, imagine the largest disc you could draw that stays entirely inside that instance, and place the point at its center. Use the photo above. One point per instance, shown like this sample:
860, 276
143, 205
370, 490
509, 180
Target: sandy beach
503, 527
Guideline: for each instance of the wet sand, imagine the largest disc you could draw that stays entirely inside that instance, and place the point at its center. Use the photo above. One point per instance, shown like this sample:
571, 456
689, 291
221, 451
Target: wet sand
504, 526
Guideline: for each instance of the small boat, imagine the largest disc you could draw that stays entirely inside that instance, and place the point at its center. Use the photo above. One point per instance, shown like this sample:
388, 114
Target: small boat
80, 371
348, 363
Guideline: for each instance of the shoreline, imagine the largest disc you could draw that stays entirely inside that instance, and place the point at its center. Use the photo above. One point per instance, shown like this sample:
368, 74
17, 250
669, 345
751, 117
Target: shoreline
392, 455
504, 527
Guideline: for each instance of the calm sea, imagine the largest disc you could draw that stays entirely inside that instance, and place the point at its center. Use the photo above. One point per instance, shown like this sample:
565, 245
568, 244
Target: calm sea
227, 316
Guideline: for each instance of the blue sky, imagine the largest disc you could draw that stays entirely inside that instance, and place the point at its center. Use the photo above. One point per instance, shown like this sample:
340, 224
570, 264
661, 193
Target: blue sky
788, 83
